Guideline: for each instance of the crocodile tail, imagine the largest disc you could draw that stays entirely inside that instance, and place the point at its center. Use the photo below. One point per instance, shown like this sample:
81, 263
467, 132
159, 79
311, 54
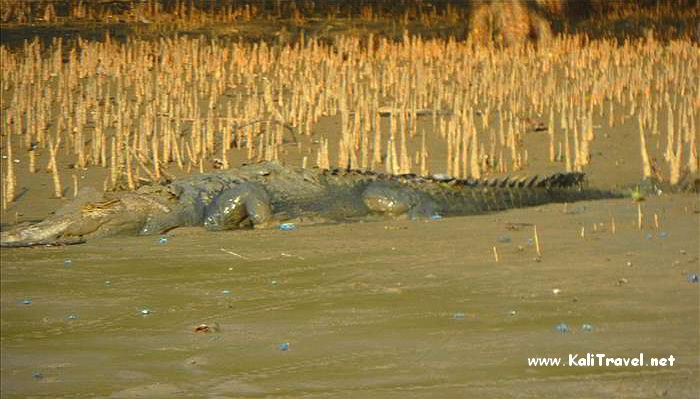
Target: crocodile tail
471, 196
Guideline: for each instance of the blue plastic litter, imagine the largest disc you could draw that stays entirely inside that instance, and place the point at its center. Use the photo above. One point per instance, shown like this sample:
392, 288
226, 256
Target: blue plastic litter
284, 346
226, 292
436, 217
163, 240
563, 328
288, 226
587, 327
27, 301
37, 375
693, 278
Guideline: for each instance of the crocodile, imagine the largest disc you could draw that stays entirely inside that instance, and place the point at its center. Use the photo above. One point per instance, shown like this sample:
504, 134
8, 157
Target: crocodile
267, 194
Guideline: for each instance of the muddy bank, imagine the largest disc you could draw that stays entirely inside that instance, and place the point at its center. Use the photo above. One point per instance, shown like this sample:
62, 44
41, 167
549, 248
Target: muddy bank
381, 309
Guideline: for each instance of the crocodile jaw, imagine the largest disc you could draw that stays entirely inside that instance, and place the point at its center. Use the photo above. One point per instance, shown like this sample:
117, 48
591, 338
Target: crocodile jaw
38, 232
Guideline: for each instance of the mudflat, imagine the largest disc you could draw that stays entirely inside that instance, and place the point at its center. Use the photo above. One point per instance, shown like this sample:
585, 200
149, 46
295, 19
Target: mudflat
378, 309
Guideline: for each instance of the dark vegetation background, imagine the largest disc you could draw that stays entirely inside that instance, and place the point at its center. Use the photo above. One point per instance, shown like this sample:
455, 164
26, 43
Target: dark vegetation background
284, 20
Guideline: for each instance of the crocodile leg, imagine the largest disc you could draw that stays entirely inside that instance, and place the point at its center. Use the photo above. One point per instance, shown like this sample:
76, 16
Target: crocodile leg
245, 205
393, 200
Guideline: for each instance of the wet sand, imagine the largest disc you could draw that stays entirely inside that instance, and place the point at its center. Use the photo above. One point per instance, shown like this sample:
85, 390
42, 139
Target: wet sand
376, 309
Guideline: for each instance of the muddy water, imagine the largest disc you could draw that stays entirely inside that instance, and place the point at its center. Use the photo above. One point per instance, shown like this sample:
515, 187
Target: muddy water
379, 309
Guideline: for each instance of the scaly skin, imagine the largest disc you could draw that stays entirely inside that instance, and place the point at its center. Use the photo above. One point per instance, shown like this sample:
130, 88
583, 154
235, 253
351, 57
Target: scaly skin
267, 193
